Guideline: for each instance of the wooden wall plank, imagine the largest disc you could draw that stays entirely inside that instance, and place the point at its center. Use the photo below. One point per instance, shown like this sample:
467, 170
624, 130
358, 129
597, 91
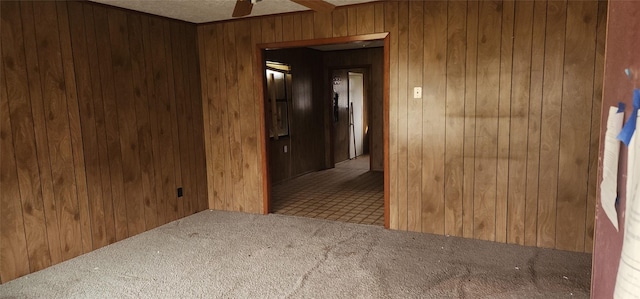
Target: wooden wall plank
535, 115
307, 26
111, 123
379, 17
454, 143
206, 113
225, 116
278, 28
391, 25
339, 22
256, 38
601, 32
434, 121
72, 129
14, 257
172, 208
58, 128
468, 192
215, 120
504, 119
185, 118
322, 27
550, 126
40, 131
235, 134
520, 91
352, 20
127, 123
88, 124
365, 14
141, 105
415, 113
487, 119
23, 135
100, 122
574, 139
288, 32
167, 198
248, 124
403, 161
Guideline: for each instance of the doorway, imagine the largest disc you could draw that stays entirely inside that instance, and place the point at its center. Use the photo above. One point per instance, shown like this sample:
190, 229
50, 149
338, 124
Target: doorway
356, 109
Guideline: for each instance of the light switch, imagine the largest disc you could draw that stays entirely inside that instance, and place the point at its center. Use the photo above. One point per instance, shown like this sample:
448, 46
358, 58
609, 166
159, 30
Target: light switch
285, 149
417, 92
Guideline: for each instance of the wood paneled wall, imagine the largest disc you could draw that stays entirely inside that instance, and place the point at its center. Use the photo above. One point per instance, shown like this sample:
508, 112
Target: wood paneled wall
373, 59
101, 121
306, 115
503, 145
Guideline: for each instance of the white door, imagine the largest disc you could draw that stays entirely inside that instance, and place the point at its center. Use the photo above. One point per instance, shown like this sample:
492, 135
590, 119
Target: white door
356, 100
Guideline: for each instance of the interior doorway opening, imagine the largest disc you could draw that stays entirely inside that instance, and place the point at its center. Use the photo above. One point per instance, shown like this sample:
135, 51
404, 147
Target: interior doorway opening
305, 158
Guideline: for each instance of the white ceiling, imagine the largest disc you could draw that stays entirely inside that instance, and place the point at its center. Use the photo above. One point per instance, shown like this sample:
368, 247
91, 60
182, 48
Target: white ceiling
203, 11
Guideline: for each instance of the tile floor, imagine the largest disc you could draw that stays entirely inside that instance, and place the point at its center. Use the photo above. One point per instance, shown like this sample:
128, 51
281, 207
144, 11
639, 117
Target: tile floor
348, 193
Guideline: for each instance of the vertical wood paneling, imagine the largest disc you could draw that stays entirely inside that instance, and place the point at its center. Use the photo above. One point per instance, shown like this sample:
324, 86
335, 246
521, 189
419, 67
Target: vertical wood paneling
487, 151
433, 122
123, 79
490, 13
235, 137
103, 152
14, 256
573, 171
88, 125
595, 125
248, 121
550, 129
468, 192
79, 105
339, 22
454, 144
414, 120
172, 207
391, 25
224, 115
403, 87
37, 108
520, 88
504, 119
57, 122
23, 142
322, 25
535, 114
74, 127
110, 107
141, 100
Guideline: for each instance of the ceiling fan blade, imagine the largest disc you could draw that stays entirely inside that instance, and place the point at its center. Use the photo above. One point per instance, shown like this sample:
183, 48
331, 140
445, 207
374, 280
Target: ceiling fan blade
316, 5
243, 8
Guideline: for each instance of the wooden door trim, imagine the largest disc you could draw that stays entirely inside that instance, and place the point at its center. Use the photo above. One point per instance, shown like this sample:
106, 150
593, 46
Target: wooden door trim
259, 85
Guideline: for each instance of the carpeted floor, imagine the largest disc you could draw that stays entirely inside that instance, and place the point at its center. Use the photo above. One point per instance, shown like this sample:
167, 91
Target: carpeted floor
233, 255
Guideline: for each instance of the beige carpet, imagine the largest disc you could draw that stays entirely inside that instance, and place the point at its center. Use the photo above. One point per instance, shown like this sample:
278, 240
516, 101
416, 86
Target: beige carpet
234, 255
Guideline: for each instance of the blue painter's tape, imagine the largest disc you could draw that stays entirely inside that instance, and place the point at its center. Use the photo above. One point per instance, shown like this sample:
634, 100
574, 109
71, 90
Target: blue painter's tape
621, 107
630, 127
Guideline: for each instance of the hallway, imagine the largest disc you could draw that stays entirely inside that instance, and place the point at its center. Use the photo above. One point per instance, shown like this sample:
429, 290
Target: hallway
347, 193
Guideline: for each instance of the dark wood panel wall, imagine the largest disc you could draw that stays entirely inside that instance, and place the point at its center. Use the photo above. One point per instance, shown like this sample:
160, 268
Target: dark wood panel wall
305, 113
101, 121
373, 60
502, 146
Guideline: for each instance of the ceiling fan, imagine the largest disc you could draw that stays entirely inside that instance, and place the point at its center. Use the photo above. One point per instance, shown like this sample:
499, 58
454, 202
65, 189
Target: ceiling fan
243, 7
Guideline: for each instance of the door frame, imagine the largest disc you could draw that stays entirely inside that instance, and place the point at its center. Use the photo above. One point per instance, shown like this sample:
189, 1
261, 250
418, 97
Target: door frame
259, 85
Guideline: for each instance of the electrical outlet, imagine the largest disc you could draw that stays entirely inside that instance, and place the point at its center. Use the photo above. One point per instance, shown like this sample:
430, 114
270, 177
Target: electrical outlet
180, 192
417, 92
